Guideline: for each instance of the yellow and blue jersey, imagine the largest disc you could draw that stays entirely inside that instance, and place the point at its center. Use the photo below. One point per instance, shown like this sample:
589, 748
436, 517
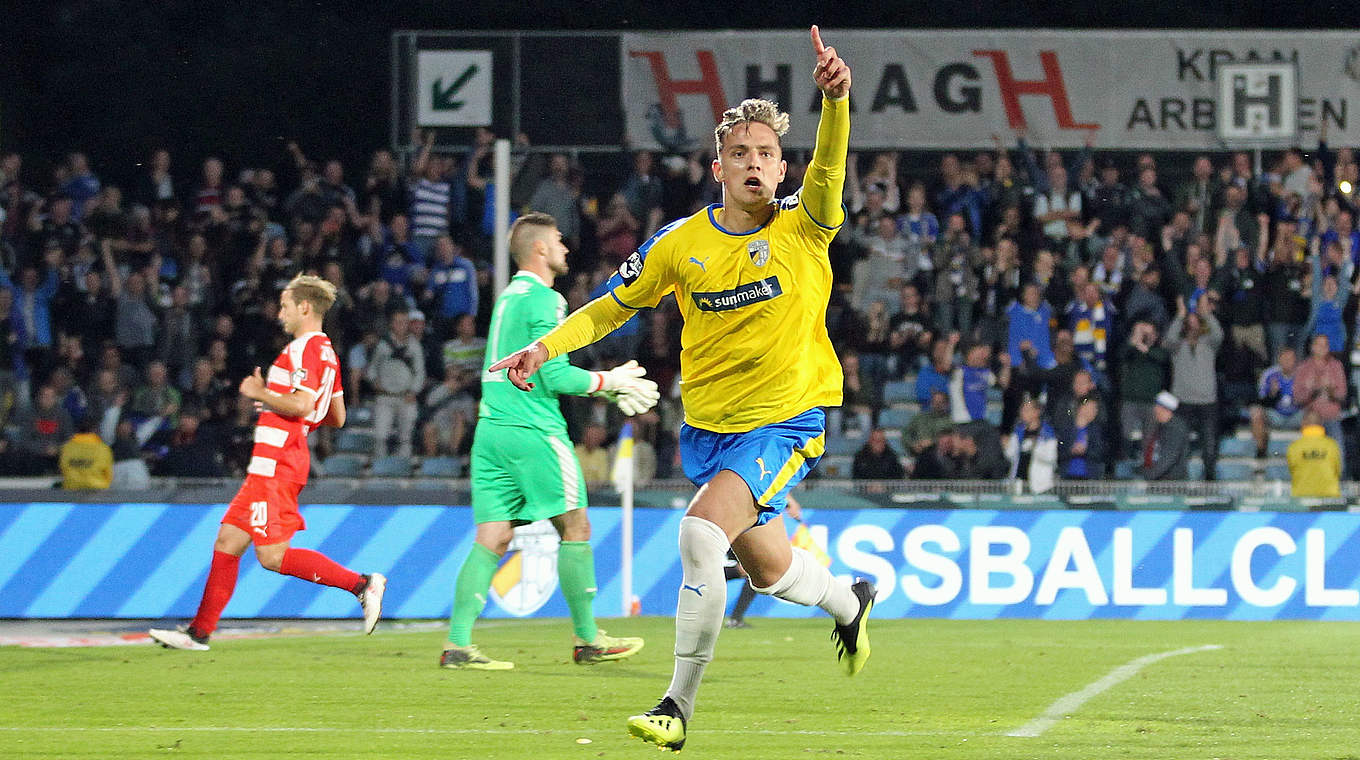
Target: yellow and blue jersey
754, 348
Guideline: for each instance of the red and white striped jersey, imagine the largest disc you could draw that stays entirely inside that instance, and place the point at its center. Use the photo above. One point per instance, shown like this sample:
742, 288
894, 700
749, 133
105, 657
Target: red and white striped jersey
307, 365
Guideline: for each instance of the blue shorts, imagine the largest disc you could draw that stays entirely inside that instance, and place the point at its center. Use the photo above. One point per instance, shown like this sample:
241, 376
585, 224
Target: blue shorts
771, 459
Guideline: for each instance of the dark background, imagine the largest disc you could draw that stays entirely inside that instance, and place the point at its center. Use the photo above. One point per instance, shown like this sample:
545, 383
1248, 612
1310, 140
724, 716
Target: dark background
115, 78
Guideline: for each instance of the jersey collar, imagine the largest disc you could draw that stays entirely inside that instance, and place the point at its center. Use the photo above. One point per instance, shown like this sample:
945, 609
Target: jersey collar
713, 219
530, 275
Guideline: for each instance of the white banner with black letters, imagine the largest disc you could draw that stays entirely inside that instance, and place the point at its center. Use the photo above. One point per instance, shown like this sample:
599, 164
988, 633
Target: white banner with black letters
953, 89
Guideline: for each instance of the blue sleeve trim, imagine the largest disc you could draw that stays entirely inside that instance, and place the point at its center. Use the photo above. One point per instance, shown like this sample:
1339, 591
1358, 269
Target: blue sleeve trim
615, 296
845, 214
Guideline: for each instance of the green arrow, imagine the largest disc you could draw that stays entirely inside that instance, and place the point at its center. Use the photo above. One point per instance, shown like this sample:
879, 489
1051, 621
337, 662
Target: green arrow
442, 98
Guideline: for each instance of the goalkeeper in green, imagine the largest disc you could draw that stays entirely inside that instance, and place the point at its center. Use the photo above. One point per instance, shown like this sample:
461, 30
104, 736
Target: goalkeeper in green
523, 466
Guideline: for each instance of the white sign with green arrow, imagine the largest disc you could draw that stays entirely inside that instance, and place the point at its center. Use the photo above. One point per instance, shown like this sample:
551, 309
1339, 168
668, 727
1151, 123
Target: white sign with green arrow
453, 88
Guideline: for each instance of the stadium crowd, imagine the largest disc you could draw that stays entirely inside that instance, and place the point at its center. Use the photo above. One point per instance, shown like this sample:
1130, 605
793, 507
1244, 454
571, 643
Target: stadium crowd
1034, 313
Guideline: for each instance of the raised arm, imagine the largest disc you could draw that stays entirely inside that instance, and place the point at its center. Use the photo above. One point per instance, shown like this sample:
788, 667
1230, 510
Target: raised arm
824, 183
585, 326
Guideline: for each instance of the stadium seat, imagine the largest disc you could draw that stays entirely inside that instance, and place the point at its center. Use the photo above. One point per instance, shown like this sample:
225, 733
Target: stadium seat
842, 446
1237, 447
836, 466
441, 467
1124, 469
392, 466
344, 466
895, 418
1229, 471
1278, 446
898, 392
1278, 472
353, 442
1194, 469
994, 413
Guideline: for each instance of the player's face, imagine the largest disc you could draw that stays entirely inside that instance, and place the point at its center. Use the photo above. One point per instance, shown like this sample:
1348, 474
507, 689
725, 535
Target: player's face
750, 166
556, 251
288, 312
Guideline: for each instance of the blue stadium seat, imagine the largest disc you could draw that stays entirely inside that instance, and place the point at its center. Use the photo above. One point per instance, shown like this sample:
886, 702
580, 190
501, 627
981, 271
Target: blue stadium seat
842, 446
344, 465
1278, 446
354, 442
994, 411
1278, 472
898, 391
1124, 469
895, 418
1229, 471
441, 467
1237, 447
392, 466
1195, 469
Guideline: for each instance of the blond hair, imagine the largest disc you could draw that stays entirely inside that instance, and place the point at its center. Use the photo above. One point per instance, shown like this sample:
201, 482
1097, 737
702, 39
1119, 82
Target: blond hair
526, 230
314, 290
752, 109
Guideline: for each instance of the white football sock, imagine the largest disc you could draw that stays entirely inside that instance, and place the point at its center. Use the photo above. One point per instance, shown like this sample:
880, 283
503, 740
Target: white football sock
806, 582
699, 610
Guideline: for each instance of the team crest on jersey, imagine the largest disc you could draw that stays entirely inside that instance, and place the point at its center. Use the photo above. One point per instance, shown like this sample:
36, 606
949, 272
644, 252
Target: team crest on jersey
527, 577
631, 268
759, 251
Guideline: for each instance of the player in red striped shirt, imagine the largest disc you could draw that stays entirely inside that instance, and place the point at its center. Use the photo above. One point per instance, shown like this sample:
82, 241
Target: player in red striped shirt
301, 392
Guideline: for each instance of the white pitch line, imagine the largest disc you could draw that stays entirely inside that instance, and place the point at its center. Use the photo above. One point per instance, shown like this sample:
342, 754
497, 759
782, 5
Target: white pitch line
1072, 702
447, 731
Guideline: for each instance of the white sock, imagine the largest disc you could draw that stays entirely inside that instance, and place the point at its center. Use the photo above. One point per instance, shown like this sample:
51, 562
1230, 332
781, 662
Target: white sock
806, 582
699, 610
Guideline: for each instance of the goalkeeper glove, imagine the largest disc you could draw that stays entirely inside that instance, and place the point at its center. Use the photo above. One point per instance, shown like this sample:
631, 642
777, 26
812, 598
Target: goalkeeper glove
627, 387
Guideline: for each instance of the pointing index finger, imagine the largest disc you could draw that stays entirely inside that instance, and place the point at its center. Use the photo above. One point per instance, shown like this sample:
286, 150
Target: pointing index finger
817, 40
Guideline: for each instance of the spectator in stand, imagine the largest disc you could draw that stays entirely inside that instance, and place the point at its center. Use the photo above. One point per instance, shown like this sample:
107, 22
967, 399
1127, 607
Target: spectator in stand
1055, 207
1143, 302
858, 396
1196, 196
1193, 342
920, 228
884, 269
936, 373
968, 384
465, 350
39, 435
1314, 462
1330, 297
1166, 441
558, 196
1277, 407
1032, 449
80, 184
397, 371
1083, 451
957, 259
430, 196
155, 183
1107, 203
978, 454
876, 459
1243, 290
923, 429
936, 462
1092, 322
643, 190
616, 230
398, 253
135, 322
1030, 319
384, 188
1149, 207
86, 462
1287, 296
155, 404
1320, 387
1142, 372
882, 175
957, 196
911, 330
1237, 224
449, 412
452, 285
594, 457
208, 195
192, 449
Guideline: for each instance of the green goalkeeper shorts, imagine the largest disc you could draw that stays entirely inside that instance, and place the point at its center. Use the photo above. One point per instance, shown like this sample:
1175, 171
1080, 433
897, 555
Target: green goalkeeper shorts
522, 475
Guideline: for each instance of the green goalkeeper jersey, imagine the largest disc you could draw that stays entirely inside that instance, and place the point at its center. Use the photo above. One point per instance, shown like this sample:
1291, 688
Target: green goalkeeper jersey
525, 312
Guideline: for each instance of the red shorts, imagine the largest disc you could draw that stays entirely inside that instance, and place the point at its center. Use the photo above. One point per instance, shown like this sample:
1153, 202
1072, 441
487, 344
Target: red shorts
267, 509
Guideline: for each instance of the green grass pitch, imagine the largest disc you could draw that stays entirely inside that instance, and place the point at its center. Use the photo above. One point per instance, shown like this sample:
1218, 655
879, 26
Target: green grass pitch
933, 689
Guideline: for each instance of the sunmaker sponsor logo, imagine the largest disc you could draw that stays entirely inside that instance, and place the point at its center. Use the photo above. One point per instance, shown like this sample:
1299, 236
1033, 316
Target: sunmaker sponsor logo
742, 295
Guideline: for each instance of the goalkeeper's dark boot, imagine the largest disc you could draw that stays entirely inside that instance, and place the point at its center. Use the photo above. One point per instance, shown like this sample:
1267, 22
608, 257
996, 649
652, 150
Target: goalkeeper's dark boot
852, 639
662, 725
